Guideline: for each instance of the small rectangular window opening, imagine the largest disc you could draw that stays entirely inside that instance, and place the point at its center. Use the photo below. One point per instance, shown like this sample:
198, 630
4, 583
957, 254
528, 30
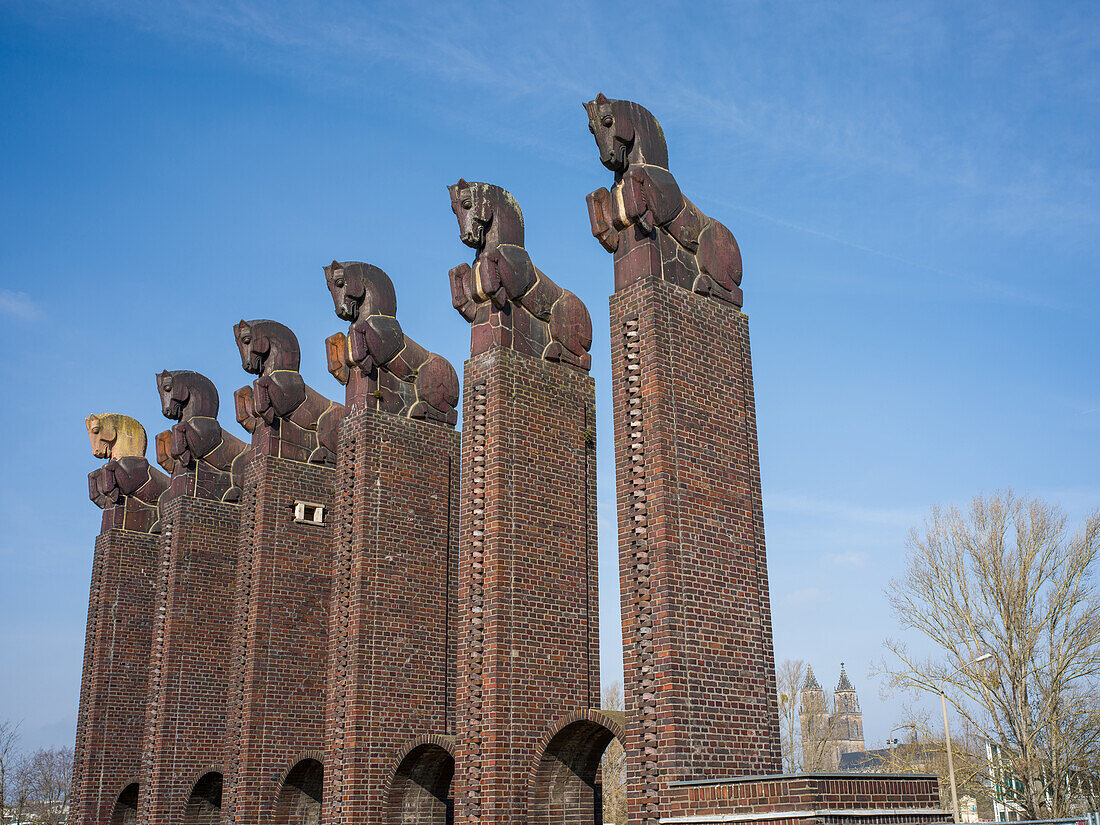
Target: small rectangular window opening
307, 512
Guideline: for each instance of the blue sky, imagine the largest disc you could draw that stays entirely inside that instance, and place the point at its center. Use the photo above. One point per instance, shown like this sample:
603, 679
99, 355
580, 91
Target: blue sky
914, 187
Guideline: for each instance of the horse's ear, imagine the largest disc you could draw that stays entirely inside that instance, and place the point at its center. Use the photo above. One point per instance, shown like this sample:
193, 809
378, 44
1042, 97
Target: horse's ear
600, 99
462, 184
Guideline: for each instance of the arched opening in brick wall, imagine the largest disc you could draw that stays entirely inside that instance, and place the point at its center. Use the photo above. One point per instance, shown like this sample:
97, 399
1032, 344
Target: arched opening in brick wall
299, 801
420, 791
566, 785
125, 810
204, 807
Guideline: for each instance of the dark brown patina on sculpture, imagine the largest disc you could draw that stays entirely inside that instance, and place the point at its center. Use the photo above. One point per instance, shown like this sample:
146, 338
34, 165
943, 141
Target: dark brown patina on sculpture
382, 367
287, 417
645, 220
126, 488
509, 301
205, 461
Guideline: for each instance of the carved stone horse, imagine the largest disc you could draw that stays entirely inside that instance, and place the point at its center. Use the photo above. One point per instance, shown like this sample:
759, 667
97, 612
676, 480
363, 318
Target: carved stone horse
204, 459
645, 219
126, 478
279, 406
376, 360
504, 295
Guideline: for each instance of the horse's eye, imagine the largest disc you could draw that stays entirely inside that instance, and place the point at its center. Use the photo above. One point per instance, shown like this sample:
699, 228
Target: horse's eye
339, 283
246, 339
466, 204
167, 386
607, 121
95, 431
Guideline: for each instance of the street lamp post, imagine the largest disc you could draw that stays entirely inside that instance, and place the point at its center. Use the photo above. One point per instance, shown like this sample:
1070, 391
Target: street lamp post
985, 657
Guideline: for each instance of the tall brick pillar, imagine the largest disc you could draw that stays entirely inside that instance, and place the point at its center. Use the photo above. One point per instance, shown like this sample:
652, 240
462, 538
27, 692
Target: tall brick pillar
528, 651
698, 660
111, 714
182, 762
275, 734
393, 618
189, 667
700, 687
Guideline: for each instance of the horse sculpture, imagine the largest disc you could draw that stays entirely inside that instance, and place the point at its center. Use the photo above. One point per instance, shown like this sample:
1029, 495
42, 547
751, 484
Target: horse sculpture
126, 479
645, 220
504, 295
287, 417
376, 360
204, 459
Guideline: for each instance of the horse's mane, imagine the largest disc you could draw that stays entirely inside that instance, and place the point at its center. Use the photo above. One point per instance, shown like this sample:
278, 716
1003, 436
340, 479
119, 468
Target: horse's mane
283, 340
201, 389
130, 437
649, 137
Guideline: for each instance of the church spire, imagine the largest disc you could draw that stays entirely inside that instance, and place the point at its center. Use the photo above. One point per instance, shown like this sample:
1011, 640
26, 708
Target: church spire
810, 683
844, 685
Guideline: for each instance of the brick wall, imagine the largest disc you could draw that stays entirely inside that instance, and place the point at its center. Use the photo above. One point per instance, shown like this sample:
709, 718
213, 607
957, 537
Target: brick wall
699, 664
808, 798
392, 622
528, 649
189, 666
280, 627
111, 714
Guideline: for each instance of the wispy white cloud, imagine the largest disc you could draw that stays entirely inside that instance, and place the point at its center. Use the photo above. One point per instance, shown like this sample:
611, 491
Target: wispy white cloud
847, 558
970, 164
834, 510
19, 306
805, 597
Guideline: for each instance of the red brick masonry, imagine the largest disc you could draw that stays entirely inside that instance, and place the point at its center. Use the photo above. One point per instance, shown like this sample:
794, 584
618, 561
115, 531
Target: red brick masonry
277, 700
392, 637
697, 639
807, 799
529, 649
189, 678
111, 716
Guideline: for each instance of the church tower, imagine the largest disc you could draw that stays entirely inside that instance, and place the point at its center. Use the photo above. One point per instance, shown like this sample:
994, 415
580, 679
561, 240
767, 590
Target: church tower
847, 721
813, 720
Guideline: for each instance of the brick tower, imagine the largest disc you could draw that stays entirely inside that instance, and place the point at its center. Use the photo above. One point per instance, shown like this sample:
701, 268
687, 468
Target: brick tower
111, 715
528, 663
392, 643
189, 666
702, 729
275, 739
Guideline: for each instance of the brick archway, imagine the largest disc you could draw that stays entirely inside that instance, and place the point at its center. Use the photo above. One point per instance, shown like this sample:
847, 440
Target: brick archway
125, 809
299, 800
563, 783
420, 789
204, 807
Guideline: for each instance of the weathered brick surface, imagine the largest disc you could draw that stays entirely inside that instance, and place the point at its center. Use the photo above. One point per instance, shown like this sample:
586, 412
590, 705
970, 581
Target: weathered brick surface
528, 649
280, 628
189, 665
699, 663
111, 715
392, 638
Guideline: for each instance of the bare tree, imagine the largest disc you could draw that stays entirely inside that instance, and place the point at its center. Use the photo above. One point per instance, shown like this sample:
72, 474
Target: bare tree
925, 752
789, 676
613, 764
49, 776
9, 743
1007, 577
